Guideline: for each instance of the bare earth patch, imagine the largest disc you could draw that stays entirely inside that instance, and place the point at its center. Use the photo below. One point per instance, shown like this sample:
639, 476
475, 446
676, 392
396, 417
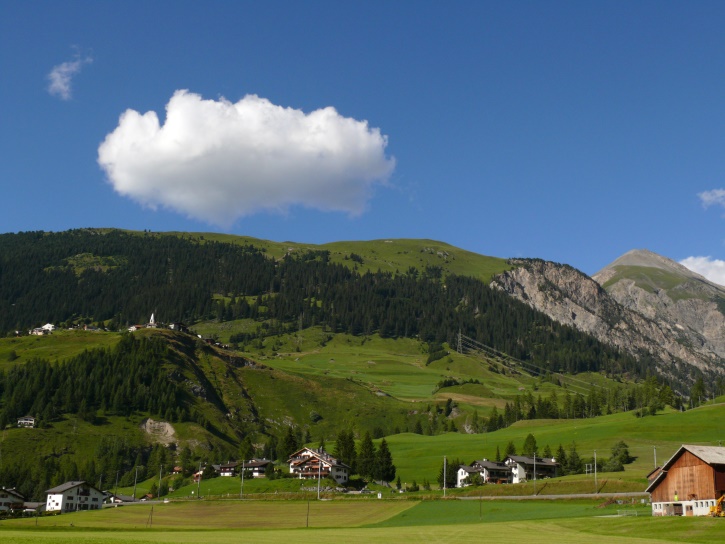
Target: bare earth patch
159, 431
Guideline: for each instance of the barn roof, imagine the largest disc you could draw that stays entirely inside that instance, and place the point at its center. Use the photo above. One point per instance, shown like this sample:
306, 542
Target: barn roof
712, 455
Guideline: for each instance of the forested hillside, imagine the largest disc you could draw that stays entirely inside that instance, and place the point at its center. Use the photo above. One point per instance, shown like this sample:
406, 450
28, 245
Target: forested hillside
119, 278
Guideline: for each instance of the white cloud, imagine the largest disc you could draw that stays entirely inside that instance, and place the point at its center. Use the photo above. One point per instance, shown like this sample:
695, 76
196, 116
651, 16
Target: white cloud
218, 161
61, 76
712, 269
716, 196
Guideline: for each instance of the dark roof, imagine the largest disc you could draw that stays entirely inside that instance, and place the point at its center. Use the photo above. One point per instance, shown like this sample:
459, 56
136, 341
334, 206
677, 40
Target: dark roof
490, 464
69, 485
13, 491
524, 460
255, 463
123, 498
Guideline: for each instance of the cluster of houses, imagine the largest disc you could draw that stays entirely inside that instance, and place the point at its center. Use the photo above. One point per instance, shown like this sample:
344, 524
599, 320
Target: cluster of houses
67, 497
304, 463
40, 331
512, 470
257, 468
690, 483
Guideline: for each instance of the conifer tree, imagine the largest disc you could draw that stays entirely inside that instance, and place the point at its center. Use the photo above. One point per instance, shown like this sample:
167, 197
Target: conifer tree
384, 467
366, 457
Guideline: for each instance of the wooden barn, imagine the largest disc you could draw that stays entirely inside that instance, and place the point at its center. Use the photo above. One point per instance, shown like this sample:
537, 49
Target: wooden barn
690, 482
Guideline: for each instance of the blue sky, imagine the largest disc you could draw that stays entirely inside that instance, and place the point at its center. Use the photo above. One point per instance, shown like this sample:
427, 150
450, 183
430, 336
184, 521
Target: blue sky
569, 131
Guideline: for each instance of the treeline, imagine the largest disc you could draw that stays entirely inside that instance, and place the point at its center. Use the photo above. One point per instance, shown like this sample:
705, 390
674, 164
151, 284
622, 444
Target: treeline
643, 399
84, 274
123, 277
117, 381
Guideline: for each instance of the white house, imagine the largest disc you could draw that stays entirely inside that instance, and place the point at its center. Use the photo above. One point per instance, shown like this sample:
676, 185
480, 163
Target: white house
309, 463
48, 327
73, 496
492, 472
258, 467
26, 421
10, 500
525, 468
227, 469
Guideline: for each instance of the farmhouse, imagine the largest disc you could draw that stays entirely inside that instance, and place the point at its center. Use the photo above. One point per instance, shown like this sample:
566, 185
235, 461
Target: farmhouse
524, 468
73, 496
34, 507
226, 469
117, 498
258, 467
10, 499
178, 327
491, 472
309, 463
26, 421
690, 482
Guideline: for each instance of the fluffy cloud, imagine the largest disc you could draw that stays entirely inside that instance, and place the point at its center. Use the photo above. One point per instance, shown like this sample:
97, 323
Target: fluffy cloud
218, 161
716, 196
712, 269
61, 76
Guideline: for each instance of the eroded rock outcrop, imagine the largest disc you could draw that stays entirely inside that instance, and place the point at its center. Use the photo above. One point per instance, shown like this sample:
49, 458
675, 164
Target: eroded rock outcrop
573, 298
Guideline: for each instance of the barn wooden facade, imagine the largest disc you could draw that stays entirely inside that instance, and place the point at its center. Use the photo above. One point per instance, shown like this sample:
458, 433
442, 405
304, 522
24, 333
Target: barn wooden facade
690, 482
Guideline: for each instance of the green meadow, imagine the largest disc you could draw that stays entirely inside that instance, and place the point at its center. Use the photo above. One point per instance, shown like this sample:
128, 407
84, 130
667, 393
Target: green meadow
389, 255
61, 344
418, 457
364, 521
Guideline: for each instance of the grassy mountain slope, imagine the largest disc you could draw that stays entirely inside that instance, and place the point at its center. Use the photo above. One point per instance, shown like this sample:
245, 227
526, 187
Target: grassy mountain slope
386, 255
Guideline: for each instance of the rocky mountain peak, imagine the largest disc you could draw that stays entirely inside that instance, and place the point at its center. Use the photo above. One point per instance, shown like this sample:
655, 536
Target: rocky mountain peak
644, 258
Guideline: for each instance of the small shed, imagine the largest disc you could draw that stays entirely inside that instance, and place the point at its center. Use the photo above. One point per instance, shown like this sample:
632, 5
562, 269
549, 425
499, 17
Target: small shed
690, 482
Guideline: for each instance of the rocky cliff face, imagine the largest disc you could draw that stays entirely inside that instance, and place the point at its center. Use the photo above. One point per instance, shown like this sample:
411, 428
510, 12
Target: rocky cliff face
570, 297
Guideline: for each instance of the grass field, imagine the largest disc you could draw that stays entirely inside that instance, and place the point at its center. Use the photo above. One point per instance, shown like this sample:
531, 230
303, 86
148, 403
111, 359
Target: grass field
57, 346
418, 457
364, 521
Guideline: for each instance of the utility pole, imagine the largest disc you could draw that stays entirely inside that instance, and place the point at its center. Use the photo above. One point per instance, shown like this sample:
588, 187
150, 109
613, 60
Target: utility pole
161, 469
534, 472
241, 491
198, 482
596, 488
319, 473
655, 450
135, 477
116, 491
445, 475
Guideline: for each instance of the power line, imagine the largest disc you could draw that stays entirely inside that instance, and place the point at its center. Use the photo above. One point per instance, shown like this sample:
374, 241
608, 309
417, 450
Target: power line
467, 345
